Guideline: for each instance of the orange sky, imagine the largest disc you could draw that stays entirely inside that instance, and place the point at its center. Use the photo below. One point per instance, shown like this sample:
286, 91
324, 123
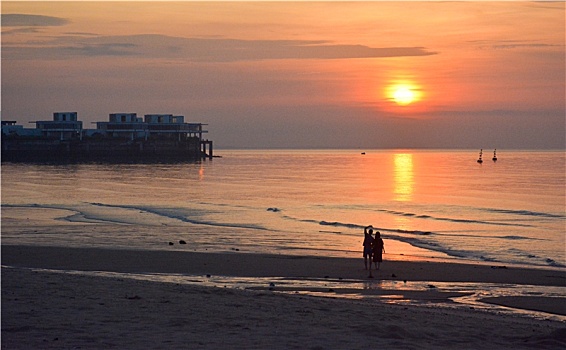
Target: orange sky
297, 74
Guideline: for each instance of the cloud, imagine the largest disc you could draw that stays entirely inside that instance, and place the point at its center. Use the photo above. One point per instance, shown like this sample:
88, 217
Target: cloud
203, 49
83, 34
23, 20
512, 44
25, 30
116, 49
519, 46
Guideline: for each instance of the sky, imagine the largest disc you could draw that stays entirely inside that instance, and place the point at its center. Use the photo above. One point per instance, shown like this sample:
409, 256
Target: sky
359, 75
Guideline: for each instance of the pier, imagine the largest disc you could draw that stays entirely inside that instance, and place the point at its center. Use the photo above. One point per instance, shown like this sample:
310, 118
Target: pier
206, 144
124, 137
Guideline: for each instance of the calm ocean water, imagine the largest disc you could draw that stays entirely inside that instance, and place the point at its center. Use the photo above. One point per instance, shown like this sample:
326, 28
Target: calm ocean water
439, 204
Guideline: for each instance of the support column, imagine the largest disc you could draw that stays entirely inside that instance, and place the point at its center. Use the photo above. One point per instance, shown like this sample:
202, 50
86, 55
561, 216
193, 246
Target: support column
203, 146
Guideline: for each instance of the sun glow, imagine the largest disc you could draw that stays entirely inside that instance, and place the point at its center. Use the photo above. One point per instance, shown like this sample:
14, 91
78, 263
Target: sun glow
404, 94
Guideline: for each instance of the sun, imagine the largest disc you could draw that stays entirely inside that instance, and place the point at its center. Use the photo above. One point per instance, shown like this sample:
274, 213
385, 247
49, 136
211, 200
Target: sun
403, 94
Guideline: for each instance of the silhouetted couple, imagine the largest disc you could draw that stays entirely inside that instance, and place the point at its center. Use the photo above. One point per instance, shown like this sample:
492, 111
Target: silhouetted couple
373, 248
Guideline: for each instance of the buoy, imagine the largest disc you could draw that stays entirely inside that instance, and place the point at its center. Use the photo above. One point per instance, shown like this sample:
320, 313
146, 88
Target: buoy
494, 155
480, 160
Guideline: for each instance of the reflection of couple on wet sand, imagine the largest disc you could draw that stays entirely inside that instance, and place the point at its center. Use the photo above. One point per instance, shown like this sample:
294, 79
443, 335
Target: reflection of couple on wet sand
373, 248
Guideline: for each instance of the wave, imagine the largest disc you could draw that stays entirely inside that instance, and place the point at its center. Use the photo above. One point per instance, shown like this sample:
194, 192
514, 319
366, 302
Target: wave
82, 215
354, 226
78, 216
433, 246
166, 212
552, 262
535, 258
455, 220
466, 221
478, 255
416, 241
517, 238
525, 213
395, 230
339, 224
430, 241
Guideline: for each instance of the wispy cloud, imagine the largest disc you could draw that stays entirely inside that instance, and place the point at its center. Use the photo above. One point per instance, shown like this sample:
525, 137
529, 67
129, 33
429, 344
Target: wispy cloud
203, 49
23, 20
519, 46
512, 44
23, 30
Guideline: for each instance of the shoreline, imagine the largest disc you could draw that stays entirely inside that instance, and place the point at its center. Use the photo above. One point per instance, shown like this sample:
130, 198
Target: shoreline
67, 226
44, 306
270, 265
54, 311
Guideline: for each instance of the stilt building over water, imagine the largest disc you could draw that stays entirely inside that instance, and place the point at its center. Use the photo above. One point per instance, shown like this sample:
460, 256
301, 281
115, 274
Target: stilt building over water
125, 136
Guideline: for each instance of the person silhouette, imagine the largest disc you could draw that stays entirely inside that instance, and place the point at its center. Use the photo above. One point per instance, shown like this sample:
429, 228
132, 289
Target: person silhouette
377, 249
367, 244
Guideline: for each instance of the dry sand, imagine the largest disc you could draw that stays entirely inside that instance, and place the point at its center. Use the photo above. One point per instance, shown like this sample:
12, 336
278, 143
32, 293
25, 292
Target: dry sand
44, 309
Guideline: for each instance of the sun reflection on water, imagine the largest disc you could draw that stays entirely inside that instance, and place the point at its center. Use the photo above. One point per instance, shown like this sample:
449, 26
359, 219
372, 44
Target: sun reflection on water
403, 177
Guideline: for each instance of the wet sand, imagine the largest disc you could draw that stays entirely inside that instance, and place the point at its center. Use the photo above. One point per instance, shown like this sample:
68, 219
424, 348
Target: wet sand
44, 309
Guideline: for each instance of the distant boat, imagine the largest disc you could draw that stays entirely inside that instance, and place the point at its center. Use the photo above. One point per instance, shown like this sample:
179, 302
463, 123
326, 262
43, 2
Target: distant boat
363, 153
479, 159
494, 155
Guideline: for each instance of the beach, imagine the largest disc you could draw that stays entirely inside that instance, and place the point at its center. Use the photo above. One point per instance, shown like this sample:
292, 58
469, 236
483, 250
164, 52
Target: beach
201, 175
87, 298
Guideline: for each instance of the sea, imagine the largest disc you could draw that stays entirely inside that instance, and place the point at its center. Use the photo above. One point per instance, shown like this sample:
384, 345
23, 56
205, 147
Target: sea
427, 204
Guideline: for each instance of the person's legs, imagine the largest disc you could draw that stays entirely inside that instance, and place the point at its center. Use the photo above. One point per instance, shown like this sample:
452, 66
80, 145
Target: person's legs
367, 257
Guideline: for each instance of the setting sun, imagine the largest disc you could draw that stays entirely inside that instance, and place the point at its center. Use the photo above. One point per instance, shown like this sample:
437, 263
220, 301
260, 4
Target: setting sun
403, 94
